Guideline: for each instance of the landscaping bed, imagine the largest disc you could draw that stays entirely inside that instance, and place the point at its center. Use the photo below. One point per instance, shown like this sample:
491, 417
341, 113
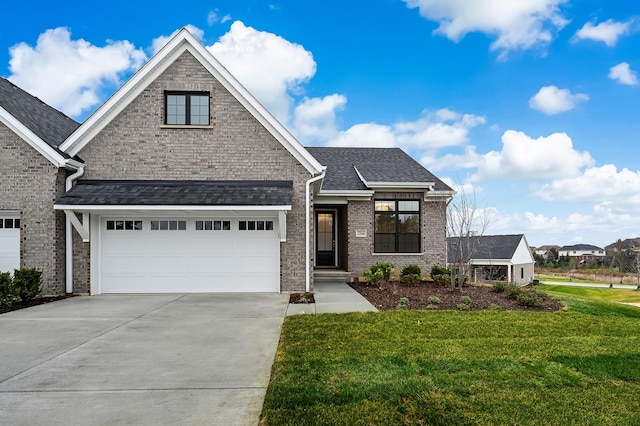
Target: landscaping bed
388, 296
32, 302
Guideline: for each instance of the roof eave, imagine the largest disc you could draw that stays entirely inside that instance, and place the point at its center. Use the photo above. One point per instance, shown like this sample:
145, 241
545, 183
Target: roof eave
200, 208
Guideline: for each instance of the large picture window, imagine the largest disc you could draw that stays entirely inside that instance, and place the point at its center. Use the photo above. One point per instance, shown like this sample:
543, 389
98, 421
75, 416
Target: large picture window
397, 226
187, 108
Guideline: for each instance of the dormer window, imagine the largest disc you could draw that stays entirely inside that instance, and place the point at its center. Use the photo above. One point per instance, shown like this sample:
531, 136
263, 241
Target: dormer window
187, 108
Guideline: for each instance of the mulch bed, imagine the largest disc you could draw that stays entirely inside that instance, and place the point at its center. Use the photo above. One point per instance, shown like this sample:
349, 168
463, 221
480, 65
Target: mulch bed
301, 298
33, 302
482, 297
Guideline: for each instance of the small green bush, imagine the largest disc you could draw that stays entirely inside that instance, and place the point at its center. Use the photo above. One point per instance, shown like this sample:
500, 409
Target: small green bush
512, 291
8, 291
499, 287
494, 307
386, 269
432, 307
28, 282
373, 277
433, 300
463, 307
465, 299
403, 303
439, 270
412, 279
442, 280
530, 297
411, 269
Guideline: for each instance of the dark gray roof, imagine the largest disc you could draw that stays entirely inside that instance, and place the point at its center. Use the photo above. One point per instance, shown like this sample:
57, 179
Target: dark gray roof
580, 247
374, 164
48, 123
496, 247
180, 193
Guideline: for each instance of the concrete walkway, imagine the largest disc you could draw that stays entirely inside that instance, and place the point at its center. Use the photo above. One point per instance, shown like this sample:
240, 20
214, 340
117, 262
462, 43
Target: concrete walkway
333, 297
200, 359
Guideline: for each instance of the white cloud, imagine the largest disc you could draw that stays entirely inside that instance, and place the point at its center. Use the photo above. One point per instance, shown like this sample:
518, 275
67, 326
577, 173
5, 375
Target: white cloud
214, 17
623, 74
523, 157
603, 184
516, 24
70, 74
551, 100
271, 67
607, 32
159, 42
442, 128
314, 119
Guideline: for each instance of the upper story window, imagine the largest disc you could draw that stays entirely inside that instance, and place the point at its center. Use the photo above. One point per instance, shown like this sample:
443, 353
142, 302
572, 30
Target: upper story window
397, 226
187, 108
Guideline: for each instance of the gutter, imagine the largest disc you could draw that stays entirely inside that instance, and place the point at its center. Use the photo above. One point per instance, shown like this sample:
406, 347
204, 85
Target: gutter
307, 278
69, 234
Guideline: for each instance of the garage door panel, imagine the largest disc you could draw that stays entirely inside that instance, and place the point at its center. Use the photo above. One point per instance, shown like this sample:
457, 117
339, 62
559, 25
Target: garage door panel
9, 243
147, 261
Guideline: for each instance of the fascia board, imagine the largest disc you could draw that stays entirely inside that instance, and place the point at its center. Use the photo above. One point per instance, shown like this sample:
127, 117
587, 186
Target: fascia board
345, 193
184, 41
95, 208
32, 139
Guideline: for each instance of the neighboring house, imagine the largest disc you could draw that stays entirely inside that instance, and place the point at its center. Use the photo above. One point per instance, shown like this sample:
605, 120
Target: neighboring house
493, 257
627, 244
183, 182
544, 250
582, 253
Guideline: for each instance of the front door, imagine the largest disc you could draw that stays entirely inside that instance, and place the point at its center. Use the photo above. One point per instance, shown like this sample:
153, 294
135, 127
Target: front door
325, 238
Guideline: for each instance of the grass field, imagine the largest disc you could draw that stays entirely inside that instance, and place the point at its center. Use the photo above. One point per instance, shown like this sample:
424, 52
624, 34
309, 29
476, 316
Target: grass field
602, 294
576, 367
566, 279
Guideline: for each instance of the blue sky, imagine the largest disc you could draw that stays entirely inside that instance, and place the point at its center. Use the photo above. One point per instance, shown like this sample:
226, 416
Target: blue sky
532, 105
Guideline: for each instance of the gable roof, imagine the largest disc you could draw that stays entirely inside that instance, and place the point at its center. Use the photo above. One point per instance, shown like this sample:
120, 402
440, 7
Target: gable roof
494, 247
184, 41
119, 193
361, 169
40, 125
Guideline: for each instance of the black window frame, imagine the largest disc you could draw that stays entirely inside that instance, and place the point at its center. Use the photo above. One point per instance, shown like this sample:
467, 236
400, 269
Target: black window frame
187, 118
396, 213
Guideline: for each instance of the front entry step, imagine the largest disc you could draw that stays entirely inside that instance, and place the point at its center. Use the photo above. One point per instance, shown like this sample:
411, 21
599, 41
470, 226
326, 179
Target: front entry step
331, 276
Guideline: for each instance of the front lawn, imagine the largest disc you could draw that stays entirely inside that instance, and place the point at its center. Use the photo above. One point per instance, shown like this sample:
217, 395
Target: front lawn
450, 368
608, 294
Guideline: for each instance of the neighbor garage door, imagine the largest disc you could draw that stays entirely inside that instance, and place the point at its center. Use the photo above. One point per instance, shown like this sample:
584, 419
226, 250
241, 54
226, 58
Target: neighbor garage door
9, 242
158, 255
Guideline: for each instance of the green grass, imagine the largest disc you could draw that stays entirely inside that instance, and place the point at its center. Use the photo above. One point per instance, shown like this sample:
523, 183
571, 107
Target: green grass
580, 366
565, 279
602, 294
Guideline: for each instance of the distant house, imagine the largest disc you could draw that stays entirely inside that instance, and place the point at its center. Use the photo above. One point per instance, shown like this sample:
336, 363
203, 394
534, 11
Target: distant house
544, 250
493, 257
628, 244
582, 253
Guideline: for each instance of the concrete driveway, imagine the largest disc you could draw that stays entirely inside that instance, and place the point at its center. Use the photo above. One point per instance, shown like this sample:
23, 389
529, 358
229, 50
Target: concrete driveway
152, 359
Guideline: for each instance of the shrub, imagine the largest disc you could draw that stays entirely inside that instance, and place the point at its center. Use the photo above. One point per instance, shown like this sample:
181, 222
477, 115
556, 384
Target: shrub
411, 269
442, 280
463, 307
432, 307
373, 277
413, 279
512, 291
499, 287
8, 292
439, 270
530, 297
494, 307
403, 303
28, 282
465, 299
433, 300
386, 269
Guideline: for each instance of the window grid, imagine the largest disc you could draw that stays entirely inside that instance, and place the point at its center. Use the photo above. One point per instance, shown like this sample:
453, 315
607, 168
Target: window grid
124, 225
397, 226
168, 225
213, 225
187, 108
255, 225
6, 223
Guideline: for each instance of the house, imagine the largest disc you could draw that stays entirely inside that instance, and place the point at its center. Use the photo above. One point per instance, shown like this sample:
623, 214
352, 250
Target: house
183, 182
493, 257
545, 250
582, 253
632, 244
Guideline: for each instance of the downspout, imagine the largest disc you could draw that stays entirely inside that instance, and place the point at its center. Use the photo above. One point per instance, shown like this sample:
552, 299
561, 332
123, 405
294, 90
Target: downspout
308, 230
69, 235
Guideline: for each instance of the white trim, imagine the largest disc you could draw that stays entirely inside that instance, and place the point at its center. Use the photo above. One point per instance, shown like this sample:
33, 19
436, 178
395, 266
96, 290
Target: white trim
180, 43
93, 208
307, 226
394, 185
345, 193
335, 235
397, 254
282, 225
81, 227
32, 139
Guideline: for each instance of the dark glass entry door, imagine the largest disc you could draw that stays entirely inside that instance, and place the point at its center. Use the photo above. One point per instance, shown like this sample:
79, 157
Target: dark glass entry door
325, 239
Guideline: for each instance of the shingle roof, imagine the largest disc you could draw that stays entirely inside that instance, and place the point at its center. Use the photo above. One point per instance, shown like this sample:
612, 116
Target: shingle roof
580, 247
46, 122
496, 247
374, 164
180, 193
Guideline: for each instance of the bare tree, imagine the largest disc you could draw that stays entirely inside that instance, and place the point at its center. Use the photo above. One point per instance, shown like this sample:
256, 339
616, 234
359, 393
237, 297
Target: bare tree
466, 221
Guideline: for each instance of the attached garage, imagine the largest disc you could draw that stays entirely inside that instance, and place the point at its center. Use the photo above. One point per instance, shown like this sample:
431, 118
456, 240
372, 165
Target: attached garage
181, 236
184, 254
9, 242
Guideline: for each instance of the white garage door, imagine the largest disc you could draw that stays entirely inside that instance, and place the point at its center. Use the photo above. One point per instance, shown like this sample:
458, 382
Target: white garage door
9, 243
159, 255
